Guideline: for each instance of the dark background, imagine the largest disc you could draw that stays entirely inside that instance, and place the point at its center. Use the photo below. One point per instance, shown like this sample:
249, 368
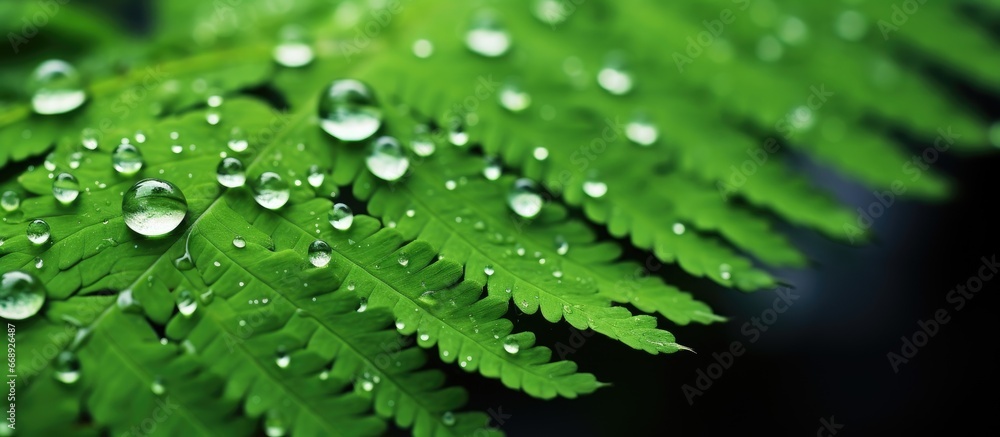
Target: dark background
825, 356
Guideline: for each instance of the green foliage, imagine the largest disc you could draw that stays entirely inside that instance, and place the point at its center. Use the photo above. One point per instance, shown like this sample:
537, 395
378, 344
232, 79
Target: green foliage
440, 262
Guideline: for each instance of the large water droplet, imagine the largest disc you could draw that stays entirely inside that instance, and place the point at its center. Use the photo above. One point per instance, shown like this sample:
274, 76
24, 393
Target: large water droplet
293, 50
67, 367
641, 131
65, 188
524, 198
270, 191
487, 36
230, 172
319, 253
56, 88
10, 201
386, 159
126, 159
422, 143
315, 176
348, 110
513, 98
21, 295
341, 217
238, 140
154, 207
186, 303
511, 345
38, 232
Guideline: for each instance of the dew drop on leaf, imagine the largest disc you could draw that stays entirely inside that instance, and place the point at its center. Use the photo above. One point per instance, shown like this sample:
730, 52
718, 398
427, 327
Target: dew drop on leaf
386, 159
10, 201
239, 242
562, 246
348, 110
154, 207
423, 48
341, 217
678, 228
595, 188
613, 77
126, 159
65, 188
363, 305
448, 418
319, 253
488, 270
270, 191
293, 49
283, 359
641, 131
492, 170
422, 143
513, 98
550, 12
486, 36
540, 153
275, 424
186, 303
511, 345
315, 176
56, 88
524, 198
456, 133
725, 271
230, 173
157, 386
38, 232
238, 140
89, 138
21, 295
67, 367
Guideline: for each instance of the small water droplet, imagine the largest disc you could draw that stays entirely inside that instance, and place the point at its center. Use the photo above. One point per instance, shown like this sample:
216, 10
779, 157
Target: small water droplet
10, 201
511, 345
126, 159
270, 191
315, 176
239, 242
230, 173
678, 228
770, 49
293, 49
157, 386
456, 133
341, 217
238, 140
540, 153
488, 270
282, 359
403, 260
486, 36
524, 198
154, 207
386, 159
513, 98
423, 48
56, 88
39, 263
65, 188
320, 253
562, 246
400, 325
186, 303
89, 138
67, 367
725, 272
595, 188
641, 131
21, 295
448, 418
176, 148
275, 424
492, 171
851, 25
38, 232
213, 117
363, 305
450, 185
422, 142
550, 12
613, 77
348, 110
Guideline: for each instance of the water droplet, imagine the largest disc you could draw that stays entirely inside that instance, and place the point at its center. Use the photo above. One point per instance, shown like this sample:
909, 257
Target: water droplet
74, 160
341, 217
550, 12
65, 188
39, 263
448, 418
315, 176
769, 49
283, 359
678, 228
641, 131
56, 88
177, 148
423, 48
239, 242
488, 270
524, 198
293, 50
486, 36
492, 170
230, 173
270, 191
400, 325
851, 25
128, 303
562, 246
513, 98
793, 31
456, 133
50, 162
157, 386
140, 137
319, 253
386, 159
214, 101
348, 110
21, 295
450, 185
613, 77
10, 201
238, 140
594, 188
38, 232
403, 260
422, 143
154, 207
67, 367
89, 137
275, 424
725, 271
207, 297
363, 305
126, 159
186, 303
511, 345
